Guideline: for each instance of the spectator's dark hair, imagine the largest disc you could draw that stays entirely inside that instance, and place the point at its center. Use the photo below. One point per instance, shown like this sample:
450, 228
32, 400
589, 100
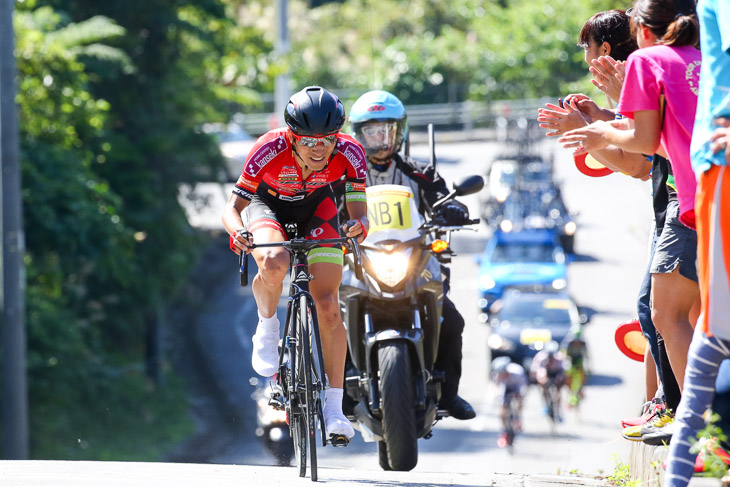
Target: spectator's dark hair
612, 26
674, 22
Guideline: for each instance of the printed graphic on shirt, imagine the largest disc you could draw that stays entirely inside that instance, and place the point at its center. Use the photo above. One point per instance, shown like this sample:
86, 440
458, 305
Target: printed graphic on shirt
692, 75
265, 154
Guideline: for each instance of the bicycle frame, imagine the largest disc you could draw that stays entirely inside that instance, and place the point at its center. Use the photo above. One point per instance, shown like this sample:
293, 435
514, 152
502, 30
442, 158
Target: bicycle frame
301, 380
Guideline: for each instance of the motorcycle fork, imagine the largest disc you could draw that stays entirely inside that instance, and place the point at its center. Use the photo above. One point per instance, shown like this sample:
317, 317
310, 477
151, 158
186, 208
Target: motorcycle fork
421, 376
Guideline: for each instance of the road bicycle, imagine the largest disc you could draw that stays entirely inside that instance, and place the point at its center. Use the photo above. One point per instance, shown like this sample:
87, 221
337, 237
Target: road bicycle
551, 393
300, 383
512, 420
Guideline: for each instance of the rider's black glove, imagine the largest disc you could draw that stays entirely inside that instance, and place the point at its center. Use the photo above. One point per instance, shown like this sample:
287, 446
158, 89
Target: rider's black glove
453, 213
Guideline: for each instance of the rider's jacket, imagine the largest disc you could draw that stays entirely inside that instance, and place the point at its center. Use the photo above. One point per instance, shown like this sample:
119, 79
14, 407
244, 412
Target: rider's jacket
271, 164
424, 181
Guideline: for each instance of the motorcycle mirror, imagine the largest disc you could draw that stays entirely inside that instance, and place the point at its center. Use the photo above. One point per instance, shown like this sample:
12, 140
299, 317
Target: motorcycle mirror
469, 185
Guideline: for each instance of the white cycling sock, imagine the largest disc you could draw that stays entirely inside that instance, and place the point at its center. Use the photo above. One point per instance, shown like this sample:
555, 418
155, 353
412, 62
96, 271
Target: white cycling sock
333, 399
265, 356
268, 325
335, 422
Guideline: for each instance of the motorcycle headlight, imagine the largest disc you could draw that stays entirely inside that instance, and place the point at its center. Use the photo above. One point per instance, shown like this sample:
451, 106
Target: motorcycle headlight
389, 268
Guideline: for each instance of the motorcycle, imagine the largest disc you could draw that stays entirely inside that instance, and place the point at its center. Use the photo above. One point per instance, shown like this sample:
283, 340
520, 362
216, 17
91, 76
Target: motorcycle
272, 427
393, 320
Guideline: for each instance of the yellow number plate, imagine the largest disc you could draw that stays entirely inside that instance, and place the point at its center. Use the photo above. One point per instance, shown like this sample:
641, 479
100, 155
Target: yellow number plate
528, 337
389, 209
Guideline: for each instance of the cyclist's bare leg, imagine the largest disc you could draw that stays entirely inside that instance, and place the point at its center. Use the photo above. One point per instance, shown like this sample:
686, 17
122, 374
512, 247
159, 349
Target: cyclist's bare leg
273, 265
672, 298
324, 288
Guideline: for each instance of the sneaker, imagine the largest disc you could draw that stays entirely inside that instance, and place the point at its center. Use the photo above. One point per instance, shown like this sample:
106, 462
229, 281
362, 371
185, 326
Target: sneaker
335, 423
656, 406
662, 436
632, 433
657, 424
265, 356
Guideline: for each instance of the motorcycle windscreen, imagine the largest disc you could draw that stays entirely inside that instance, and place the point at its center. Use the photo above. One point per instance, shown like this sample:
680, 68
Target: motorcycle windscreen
392, 213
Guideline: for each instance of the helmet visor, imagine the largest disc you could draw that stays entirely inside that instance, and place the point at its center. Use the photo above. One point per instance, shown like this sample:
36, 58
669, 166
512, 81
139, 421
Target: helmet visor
378, 138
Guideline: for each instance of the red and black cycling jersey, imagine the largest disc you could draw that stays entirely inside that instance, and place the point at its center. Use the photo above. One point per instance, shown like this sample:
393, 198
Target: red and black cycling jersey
272, 162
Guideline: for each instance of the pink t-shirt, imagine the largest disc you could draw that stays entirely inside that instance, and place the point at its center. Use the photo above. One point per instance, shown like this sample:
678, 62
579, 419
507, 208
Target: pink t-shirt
673, 72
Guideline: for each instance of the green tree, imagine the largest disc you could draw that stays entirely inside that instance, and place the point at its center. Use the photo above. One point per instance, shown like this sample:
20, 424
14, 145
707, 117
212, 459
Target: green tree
82, 385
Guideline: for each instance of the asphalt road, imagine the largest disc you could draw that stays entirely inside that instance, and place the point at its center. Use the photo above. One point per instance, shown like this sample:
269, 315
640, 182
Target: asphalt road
613, 216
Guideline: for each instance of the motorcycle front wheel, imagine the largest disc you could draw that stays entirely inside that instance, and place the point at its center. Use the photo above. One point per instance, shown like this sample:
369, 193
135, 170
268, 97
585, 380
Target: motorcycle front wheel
398, 406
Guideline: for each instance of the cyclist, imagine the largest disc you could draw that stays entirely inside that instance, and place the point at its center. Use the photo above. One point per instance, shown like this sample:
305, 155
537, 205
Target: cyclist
511, 380
548, 366
379, 123
575, 352
286, 179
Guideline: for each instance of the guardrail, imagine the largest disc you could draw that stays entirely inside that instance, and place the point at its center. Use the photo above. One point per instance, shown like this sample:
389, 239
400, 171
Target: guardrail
463, 115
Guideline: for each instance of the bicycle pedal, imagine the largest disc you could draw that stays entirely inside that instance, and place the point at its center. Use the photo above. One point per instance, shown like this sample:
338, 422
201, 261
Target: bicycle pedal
276, 402
338, 440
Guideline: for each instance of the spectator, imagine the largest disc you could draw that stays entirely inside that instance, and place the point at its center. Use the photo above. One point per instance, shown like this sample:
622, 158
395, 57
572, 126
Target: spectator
710, 160
658, 98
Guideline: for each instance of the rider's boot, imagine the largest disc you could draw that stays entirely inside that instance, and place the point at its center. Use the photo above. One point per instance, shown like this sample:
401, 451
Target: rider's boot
458, 408
337, 426
265, 357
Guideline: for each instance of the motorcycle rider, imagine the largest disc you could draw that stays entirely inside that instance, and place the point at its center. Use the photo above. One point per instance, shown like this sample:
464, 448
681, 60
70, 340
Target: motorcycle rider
379, 123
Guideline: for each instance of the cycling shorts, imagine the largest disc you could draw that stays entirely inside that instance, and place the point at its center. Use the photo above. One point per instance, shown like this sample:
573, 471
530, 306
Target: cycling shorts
314, 216
510, 390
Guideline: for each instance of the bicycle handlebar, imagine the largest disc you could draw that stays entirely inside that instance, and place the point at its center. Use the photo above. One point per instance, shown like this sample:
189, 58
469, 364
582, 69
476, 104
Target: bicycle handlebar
302, 245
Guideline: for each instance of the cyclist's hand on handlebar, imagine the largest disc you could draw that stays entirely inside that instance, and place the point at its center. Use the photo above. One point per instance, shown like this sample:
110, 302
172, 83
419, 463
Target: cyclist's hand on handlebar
356, 228
240, 241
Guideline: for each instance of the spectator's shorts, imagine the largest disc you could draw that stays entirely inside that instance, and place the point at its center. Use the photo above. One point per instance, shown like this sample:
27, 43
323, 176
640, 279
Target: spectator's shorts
677, 247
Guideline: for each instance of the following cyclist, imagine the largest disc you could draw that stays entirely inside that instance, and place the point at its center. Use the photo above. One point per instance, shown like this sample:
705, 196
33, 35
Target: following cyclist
575, 351
548, 367
379, 123
286, 179
511, 380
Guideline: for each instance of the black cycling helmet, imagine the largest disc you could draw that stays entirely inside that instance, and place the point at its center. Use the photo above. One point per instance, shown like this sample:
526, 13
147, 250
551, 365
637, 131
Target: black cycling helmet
315, 112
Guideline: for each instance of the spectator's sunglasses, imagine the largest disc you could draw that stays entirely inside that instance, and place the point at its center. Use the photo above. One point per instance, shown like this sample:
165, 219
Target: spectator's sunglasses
308, 141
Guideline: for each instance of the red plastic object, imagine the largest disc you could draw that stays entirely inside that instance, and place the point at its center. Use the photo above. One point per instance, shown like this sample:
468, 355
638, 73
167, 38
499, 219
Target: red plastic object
630, 340
591, 167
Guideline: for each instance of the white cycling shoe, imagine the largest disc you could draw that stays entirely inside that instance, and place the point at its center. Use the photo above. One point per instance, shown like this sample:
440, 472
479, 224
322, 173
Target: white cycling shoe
337, 424
265, 357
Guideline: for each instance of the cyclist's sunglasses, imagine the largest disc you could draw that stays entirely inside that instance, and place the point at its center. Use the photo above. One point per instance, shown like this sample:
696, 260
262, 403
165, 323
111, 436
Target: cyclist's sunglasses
307, 141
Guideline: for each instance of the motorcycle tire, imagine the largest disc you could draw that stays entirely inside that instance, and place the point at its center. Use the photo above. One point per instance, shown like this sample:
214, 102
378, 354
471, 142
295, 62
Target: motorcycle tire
398, 406
383, 455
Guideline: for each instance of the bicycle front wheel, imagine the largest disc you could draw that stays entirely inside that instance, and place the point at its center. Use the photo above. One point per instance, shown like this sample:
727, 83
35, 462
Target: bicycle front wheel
304, 368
